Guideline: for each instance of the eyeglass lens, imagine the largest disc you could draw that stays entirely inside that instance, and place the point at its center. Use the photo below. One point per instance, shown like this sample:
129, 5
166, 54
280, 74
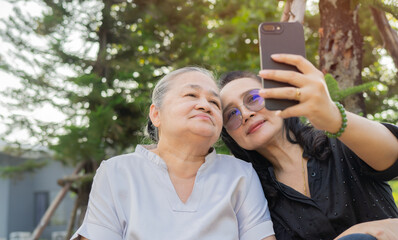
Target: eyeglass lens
233, 116
253, 101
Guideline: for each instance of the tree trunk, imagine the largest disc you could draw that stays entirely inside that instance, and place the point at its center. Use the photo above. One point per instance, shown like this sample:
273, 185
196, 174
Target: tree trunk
51, 209
340, 48
389, 36
82, 202
72, 220
294, 11
79, 208
49, 212
101, 69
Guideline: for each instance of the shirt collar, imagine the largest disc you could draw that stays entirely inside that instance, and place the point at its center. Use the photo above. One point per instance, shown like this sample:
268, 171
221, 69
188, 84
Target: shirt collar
153, 157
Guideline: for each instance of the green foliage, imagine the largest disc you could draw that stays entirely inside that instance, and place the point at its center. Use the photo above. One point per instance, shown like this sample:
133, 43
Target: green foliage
380, 99
371, 37
17, 171
389, 6
103, 86
221, 148
105, 96
338, 94
311, 33
394, 186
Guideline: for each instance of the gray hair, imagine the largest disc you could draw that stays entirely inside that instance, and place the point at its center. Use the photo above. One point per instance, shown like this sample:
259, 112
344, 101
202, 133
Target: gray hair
162, 87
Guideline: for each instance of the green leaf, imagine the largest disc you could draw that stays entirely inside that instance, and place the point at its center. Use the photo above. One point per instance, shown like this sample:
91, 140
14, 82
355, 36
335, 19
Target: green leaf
338, 94
17, 171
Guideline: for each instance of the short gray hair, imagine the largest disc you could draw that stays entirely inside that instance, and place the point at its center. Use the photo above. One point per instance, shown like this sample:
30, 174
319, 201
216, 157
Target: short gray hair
162, 87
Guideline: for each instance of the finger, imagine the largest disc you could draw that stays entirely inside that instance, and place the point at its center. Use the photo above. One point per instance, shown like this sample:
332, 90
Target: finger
291, 77
300, 62
293, 111
290, 93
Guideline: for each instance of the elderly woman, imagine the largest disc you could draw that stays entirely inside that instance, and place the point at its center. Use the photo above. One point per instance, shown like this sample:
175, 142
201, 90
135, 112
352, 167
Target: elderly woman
179, 188
318, 185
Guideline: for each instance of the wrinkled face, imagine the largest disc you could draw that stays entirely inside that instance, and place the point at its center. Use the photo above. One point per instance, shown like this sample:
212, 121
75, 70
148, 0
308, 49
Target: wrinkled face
258, 128
191, 108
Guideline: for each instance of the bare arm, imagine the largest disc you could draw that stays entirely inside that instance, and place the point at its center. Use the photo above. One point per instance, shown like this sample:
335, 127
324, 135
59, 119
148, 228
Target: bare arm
382, 229
370, 140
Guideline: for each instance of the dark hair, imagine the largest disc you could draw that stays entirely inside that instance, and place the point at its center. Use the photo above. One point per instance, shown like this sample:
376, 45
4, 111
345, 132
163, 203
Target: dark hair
152, 131
314, 142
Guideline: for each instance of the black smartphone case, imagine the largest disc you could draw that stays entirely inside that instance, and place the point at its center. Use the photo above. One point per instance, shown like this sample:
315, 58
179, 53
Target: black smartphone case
279, 37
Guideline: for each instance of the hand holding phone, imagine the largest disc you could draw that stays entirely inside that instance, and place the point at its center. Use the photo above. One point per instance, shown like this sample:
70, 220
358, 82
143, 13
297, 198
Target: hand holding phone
279, 37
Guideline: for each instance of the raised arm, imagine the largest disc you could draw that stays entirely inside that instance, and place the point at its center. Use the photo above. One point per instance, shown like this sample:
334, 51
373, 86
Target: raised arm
370, 140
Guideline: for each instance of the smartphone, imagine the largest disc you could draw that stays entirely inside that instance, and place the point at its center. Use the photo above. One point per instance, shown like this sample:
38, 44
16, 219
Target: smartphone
279, 37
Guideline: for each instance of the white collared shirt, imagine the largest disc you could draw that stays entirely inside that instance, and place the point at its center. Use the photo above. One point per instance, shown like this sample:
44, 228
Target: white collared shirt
132, 197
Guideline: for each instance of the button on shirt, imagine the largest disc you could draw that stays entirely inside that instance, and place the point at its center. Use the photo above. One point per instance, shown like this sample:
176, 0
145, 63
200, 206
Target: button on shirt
344, 191
132, 197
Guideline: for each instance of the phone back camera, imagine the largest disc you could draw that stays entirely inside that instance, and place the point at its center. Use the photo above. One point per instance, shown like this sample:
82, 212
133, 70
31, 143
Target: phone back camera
272, 28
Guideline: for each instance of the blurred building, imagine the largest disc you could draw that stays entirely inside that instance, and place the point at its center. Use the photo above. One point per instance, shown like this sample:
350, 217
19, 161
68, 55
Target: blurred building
24, 198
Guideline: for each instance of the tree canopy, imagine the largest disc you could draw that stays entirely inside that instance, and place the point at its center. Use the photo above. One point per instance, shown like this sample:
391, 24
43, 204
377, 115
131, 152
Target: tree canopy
96, 61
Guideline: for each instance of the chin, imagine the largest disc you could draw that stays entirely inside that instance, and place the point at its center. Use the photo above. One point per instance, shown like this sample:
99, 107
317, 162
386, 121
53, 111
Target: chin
248, 147
206, 133
255, 143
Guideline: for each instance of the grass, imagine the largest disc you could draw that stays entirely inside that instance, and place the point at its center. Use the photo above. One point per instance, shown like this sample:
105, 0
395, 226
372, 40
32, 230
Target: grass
394, 186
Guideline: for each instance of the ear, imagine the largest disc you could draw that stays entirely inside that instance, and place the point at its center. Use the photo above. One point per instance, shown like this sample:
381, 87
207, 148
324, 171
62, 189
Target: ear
154, 115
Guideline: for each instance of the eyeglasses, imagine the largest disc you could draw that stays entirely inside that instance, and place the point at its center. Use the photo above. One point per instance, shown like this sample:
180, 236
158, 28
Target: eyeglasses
233, 116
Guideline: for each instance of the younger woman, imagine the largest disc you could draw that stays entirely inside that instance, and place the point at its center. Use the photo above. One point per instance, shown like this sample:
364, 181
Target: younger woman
317, 186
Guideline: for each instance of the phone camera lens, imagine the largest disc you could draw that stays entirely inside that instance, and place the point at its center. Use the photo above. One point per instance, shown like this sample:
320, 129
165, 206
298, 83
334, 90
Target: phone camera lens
268, 27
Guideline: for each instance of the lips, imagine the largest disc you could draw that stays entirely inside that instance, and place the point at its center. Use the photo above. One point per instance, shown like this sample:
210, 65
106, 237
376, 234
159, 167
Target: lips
203, 116
255, 126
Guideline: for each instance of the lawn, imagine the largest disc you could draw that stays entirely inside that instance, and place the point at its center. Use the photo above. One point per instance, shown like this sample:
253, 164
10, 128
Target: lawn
394, 186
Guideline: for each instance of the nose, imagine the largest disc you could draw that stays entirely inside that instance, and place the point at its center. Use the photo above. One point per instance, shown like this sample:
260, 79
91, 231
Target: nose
203, 105
246, 114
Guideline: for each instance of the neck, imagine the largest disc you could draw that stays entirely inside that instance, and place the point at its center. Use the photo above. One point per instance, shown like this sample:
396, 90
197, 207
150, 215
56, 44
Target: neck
183, 159
282, 154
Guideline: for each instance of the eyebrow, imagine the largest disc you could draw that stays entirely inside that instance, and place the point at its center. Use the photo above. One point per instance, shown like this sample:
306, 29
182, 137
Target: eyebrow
198, 88
240, 96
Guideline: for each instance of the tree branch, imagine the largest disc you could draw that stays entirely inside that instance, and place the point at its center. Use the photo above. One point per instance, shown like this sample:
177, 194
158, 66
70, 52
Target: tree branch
294, 11
286, 11
393, 10
53, 206
74, 178
388, 35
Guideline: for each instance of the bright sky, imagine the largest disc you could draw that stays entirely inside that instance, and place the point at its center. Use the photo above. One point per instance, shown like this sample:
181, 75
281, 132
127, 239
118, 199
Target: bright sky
46, 113
5, 79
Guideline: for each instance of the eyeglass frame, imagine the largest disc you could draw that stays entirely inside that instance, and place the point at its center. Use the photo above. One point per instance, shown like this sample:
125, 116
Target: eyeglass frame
254, 107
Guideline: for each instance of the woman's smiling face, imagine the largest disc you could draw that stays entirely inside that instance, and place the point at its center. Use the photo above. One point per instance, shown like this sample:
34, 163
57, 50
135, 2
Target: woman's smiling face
257, 128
